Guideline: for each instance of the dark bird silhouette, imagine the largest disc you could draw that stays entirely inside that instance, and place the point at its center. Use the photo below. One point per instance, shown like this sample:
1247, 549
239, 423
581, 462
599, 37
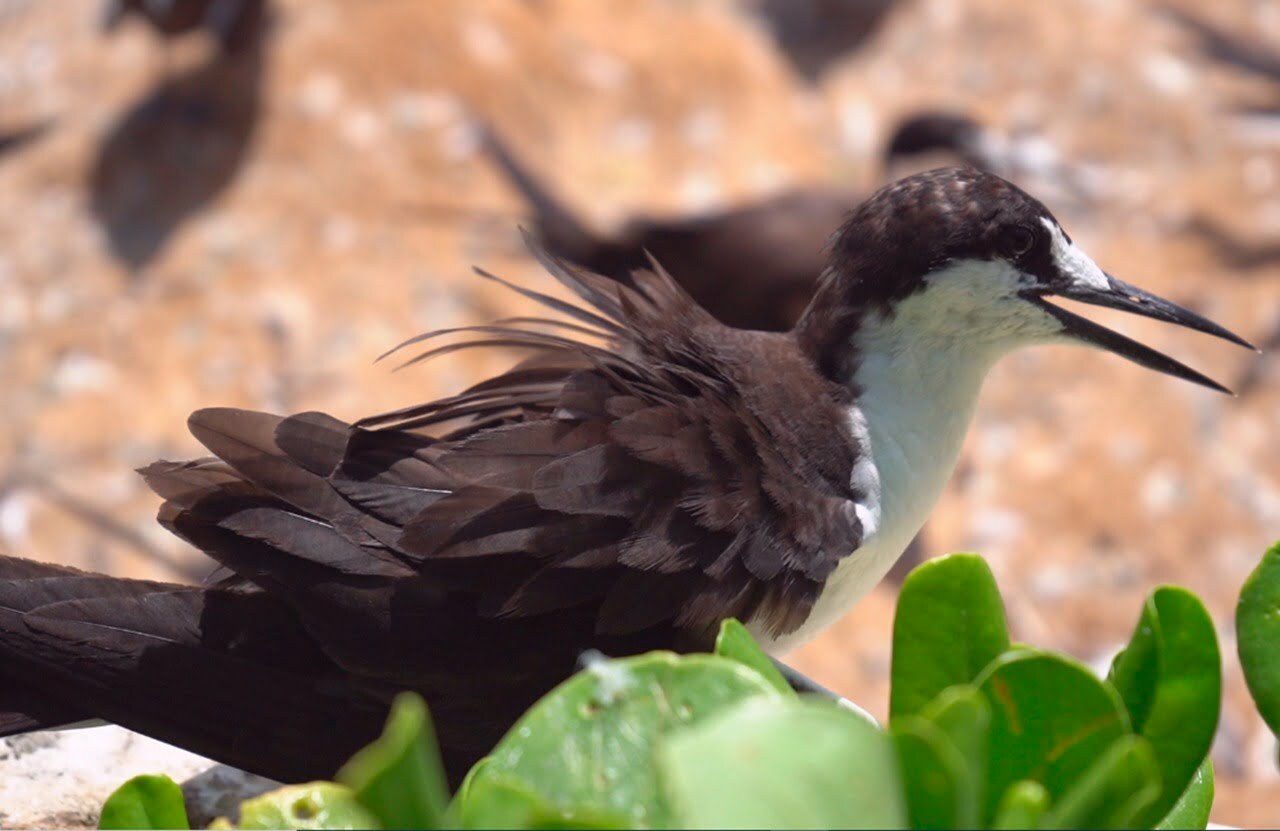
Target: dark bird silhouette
647, 472
753, 266
233, 23
14, 140
1223, 45
1232, 249
177, 149
1238, 51
933, 131
814, 34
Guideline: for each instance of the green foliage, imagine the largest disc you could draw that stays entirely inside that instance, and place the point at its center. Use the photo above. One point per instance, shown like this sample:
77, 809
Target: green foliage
1112, 792
1258, 636
1050, 719
781, 763
590, 742
313, 805
1192, 808
497, 802
932, 771
964, 716
400, 778
983, 734
145, 802
1170, 677
1022, 806
734, 641
949, 626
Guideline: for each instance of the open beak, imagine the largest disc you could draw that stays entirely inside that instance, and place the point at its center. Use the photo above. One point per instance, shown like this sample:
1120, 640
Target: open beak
1121, 295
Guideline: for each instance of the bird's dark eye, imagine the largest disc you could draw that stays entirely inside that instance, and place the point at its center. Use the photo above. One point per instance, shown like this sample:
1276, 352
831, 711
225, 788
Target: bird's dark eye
1018, 240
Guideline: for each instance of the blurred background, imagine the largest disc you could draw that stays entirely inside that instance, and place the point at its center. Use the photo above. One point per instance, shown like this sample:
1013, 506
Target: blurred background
244, 203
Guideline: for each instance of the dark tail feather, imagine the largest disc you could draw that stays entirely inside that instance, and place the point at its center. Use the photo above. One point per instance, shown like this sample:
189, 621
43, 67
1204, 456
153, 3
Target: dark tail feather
559, 228
228, 674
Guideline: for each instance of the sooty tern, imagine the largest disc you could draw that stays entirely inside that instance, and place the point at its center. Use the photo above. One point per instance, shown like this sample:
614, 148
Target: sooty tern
647, 472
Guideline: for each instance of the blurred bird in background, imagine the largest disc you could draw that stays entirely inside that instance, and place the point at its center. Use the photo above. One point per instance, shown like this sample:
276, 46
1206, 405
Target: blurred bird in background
814, 34
233, 23
16, 139
183, 143
755, 265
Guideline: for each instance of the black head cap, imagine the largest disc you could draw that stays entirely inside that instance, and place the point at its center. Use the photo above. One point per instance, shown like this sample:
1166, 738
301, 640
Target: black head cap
908, 234
910, 229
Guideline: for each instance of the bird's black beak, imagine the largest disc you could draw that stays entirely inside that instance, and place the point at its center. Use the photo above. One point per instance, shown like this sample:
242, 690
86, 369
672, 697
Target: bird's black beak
1118, 294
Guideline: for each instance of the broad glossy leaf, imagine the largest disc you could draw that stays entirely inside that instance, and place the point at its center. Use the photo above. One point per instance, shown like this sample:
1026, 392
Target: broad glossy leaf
1122, 784
313, 805
589, 742
1258, 636
498, 803
949, 626
465, 787
1022, 806
932, 772
145, 802
1051, 718
782, 763
1191, 811
1170, 678
399, 777
965, 716
734, 641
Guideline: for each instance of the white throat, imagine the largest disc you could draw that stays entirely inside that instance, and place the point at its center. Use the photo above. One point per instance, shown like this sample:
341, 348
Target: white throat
917, 384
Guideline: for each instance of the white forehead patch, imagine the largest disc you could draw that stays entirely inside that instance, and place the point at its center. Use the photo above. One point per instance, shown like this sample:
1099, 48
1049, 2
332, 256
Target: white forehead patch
1073, 262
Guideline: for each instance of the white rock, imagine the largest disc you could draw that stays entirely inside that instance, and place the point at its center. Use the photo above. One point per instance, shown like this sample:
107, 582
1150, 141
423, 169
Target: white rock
59, 779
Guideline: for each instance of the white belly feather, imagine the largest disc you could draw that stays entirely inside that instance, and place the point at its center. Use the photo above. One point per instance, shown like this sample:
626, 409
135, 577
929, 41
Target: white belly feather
915, 404
908, 473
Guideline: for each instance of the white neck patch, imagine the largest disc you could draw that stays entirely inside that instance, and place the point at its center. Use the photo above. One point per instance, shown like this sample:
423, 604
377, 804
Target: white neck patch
1073, 262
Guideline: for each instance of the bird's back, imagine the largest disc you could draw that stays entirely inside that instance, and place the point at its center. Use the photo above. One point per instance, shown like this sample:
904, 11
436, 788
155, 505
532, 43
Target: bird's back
643, 475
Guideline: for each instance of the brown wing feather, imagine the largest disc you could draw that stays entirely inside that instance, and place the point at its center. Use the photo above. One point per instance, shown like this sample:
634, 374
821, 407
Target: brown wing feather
674, 449
625, 495
667, 455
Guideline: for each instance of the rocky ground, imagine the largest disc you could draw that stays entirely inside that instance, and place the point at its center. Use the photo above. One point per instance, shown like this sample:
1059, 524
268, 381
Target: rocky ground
255, 234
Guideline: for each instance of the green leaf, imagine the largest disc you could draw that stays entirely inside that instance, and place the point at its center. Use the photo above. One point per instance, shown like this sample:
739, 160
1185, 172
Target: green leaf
589, 742
1121, 785
503, 803
734, 641
313, 805
932, 771
782, 763
1191, 811
145, 802
1050, 719
1258, 636
400, 777
467, 782
1022, 806
1170, 678
949, 626
965, 716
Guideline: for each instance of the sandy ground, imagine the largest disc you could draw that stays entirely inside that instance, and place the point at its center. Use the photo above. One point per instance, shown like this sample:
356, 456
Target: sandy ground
259, 233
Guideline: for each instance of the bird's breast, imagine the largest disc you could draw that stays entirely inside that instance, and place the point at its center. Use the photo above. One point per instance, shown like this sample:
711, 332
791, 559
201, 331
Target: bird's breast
911, 421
